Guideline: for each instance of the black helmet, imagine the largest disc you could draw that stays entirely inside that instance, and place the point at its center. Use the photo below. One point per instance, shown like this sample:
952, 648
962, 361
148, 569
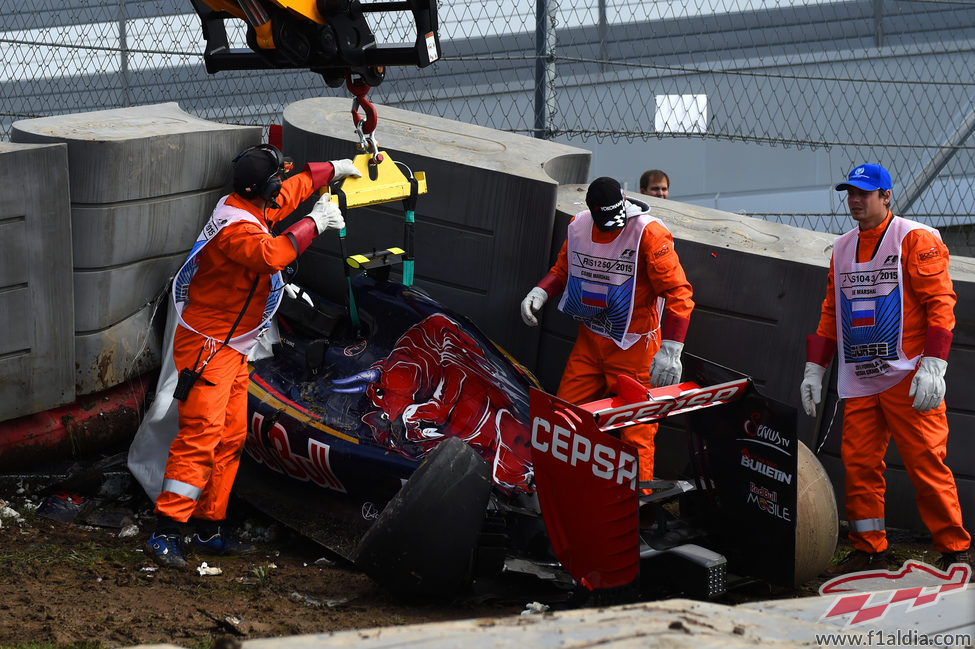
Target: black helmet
257, 172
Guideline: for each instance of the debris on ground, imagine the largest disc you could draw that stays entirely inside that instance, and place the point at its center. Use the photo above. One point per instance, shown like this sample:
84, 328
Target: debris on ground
203, 569
534, 608
6, 511
90, 578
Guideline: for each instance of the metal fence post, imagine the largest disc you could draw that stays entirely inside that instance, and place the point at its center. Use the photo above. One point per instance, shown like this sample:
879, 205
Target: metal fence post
544, 68
123, 48
603, 28
878, 23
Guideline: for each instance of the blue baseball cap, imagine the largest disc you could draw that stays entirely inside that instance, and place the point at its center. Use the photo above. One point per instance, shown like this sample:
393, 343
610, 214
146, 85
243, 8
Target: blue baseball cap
867, 176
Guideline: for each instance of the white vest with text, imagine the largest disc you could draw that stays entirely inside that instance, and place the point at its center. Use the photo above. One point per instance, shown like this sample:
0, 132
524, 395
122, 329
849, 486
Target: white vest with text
222, 216
602, 277
870, 312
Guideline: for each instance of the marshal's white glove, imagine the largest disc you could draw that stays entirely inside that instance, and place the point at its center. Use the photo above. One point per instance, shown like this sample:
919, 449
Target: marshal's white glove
928, 384
532, 304
811, 389
665, 368
296, 292
344, 169
327, 215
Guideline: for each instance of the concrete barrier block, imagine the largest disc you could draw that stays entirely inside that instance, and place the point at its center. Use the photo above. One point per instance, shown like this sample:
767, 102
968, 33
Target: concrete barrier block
140, 152
120, 233
143, 180
106, 296
36, 296
121, 352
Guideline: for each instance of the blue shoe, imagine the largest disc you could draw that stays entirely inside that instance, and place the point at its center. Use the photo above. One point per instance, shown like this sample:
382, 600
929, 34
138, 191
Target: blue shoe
167, 550
222, 544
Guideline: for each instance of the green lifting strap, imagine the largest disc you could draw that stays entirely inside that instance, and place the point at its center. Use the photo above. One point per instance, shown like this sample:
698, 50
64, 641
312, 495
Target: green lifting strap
409, 205
353, 310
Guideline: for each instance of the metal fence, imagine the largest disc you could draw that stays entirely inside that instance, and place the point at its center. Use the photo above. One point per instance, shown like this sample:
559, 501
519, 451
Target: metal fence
885, 80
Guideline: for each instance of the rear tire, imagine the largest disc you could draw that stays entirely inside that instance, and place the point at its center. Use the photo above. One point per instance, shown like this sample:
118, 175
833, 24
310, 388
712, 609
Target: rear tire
424, 540
817, 520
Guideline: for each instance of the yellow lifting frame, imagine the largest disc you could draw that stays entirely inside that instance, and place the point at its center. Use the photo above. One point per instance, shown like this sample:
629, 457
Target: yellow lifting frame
390, 184
381, 182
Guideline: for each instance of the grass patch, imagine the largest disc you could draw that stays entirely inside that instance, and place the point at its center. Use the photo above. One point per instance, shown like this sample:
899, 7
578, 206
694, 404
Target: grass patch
85, 554
262, 574
203, 643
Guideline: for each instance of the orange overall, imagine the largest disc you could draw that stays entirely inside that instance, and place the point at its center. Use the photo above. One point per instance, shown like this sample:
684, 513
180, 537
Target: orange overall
870, 421
203, 459
596, 360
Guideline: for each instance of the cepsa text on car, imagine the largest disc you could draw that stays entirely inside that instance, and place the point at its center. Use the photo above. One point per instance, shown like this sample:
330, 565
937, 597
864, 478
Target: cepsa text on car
572, 447
657, 409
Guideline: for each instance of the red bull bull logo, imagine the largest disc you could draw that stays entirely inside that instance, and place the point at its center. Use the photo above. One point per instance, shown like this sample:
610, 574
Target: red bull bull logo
437, 382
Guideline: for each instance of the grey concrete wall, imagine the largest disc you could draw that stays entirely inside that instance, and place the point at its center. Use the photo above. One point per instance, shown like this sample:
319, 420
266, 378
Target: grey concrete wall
36, 304
142, 181
758, 287
482, 230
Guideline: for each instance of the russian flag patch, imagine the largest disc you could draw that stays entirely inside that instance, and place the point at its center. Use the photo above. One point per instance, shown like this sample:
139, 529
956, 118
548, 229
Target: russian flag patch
862, 313
594, 295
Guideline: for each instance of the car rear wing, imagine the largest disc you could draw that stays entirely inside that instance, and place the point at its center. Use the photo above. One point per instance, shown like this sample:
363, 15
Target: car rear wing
627, 409
742, 455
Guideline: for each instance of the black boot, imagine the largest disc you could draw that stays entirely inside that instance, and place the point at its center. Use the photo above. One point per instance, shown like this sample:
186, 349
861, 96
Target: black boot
948, 559
858, 561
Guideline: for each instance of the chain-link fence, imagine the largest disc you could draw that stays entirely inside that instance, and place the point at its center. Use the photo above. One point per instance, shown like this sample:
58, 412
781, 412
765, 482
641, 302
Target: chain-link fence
884, 80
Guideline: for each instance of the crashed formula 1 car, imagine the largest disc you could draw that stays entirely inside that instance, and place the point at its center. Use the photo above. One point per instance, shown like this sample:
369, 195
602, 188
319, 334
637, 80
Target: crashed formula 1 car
394, 433
417, 450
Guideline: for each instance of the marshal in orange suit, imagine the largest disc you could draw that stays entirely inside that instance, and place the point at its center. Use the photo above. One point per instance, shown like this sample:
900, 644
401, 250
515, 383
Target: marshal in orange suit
618, 275
889, 311
225, 295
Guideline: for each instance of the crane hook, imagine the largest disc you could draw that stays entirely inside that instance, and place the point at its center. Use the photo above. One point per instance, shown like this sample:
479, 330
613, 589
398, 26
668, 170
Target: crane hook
364, 126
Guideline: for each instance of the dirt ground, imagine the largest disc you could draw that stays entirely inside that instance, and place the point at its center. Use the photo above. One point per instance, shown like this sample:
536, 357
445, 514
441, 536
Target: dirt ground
70, 585
67, 585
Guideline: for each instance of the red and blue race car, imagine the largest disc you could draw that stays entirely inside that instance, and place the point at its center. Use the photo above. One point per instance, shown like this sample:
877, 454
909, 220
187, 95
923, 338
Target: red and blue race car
410, 446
